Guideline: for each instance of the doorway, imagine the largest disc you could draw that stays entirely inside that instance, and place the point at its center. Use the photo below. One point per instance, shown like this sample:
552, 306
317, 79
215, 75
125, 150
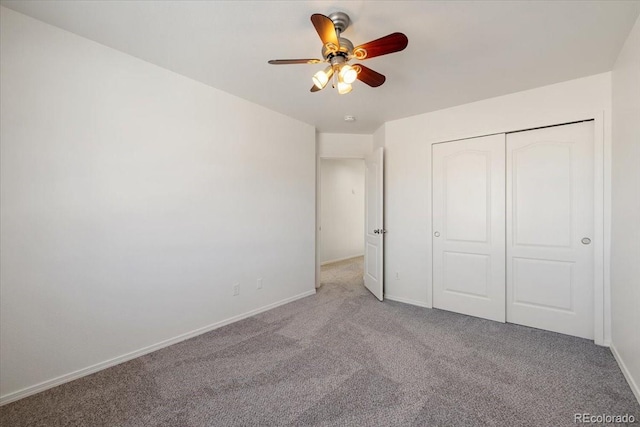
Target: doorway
358, 184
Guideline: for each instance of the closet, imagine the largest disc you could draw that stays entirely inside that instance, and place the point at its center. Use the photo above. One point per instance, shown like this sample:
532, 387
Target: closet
512, 227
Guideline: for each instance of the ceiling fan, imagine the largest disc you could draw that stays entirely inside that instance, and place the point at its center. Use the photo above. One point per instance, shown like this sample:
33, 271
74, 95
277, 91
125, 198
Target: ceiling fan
338, 51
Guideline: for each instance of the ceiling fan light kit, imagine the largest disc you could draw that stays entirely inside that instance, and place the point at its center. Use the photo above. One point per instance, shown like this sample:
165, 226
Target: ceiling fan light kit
338, 51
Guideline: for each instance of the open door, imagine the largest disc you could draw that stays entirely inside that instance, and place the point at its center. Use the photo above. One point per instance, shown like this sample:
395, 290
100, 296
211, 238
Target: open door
374, 224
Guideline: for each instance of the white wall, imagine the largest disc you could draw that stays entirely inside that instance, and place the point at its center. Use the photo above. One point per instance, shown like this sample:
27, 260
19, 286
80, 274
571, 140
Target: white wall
625, 240
132, 199
378, 137
344, 146
408, 165
342, 214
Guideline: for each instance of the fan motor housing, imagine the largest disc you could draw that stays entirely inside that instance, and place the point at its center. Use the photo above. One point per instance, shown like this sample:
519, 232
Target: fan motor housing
345, 49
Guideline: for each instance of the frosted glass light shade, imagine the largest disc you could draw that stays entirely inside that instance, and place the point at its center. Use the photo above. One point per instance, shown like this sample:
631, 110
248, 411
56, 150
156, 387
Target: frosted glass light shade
348, 74
321, 78
344, 88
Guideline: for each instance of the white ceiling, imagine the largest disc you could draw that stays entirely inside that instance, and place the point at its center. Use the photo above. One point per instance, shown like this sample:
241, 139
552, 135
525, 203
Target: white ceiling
458, 52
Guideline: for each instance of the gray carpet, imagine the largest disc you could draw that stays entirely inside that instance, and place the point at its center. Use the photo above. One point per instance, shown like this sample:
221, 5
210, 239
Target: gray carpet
343, 358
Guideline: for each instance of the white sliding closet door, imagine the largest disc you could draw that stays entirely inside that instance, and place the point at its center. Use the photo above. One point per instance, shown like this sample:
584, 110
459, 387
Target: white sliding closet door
549, 228
469, 227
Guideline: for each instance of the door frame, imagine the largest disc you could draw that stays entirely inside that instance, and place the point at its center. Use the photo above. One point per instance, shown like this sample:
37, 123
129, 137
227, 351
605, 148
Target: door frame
601, 201
318, 234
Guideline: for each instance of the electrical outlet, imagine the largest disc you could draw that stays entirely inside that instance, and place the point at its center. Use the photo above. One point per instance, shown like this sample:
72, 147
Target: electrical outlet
236, 289
259, 283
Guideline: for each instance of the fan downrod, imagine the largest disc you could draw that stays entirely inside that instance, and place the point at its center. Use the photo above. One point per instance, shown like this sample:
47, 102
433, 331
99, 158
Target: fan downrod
340, 20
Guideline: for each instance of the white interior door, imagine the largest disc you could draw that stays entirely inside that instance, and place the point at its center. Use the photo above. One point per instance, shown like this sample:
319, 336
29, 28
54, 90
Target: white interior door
469, 227
374, 224
549, 228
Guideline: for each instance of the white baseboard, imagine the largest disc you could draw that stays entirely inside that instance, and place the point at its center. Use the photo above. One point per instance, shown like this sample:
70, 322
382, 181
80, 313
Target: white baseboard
625, 372
406, 301
45, 385
341, 259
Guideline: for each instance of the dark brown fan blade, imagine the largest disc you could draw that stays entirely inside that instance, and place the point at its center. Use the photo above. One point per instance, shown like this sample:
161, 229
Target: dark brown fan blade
315, 88
325, 28
388, 44
294, 61
370, 77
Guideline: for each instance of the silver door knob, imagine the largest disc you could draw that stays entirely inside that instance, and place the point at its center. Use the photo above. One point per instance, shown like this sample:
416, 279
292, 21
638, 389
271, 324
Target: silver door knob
586, 240
437, 234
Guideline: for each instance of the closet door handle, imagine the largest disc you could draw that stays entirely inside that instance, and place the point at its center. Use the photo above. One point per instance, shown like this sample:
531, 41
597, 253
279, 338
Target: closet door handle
437, 234
586, 240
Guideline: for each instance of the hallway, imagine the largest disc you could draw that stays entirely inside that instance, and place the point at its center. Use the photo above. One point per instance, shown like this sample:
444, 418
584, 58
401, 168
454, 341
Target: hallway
343, 276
